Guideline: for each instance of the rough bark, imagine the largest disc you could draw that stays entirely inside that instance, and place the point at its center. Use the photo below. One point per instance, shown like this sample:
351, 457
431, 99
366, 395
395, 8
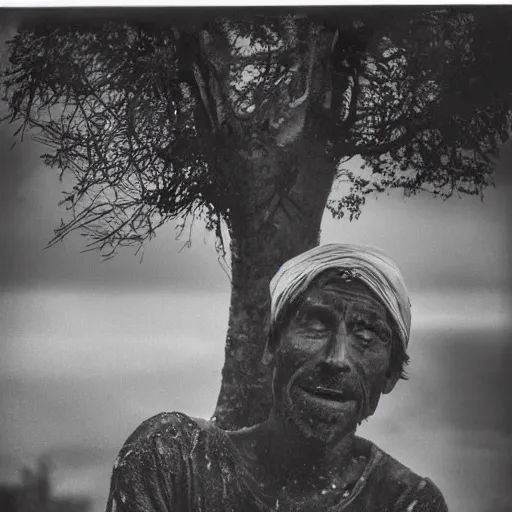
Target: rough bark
276, 176
287, 189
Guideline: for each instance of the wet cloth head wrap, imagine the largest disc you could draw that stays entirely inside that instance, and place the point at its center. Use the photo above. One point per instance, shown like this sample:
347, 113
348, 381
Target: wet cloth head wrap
367, 264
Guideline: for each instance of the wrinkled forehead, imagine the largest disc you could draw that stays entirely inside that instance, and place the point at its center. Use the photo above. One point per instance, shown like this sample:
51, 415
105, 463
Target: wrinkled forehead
338, 289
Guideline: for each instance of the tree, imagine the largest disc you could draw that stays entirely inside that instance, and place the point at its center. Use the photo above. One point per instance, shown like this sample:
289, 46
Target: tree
246, 118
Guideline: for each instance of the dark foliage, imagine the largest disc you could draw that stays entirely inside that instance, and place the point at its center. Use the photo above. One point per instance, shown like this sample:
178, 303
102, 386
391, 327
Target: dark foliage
147, 115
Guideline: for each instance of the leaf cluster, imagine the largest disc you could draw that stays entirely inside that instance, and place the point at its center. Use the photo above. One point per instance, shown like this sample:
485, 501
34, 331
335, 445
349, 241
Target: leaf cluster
109, 103
139, 113
433, 110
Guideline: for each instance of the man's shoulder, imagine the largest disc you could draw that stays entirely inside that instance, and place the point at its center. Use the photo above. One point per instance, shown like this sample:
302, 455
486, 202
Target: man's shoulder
169, 433
407, 489
174, 427
392, 469
167, 423
173, 462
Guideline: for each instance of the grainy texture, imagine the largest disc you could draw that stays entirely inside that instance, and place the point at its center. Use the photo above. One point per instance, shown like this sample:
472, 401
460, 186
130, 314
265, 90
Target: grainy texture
180, 464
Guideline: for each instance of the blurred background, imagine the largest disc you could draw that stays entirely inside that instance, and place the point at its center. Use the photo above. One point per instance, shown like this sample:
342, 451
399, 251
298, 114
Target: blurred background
89, 349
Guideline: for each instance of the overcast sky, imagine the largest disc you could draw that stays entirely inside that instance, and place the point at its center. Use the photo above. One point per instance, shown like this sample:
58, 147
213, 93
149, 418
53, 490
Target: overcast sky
456, 243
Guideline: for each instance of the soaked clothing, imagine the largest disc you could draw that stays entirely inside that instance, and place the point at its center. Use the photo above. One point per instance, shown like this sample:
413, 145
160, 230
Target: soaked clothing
174, 463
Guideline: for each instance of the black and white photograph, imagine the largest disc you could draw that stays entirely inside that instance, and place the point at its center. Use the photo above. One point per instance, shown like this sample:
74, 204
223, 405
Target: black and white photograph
256, 258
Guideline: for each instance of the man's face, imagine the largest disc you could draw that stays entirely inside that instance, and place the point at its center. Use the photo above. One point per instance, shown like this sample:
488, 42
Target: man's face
333, 357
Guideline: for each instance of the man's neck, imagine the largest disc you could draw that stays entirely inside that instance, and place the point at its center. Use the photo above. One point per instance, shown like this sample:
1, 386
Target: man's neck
288, 453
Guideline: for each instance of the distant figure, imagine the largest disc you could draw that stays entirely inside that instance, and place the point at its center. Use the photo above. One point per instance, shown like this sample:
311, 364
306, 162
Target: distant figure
340, 320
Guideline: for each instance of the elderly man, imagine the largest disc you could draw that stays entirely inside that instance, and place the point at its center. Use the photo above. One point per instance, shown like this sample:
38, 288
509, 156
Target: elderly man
340, 319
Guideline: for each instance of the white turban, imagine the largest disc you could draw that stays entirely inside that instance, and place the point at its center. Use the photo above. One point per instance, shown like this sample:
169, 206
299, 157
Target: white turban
368, 264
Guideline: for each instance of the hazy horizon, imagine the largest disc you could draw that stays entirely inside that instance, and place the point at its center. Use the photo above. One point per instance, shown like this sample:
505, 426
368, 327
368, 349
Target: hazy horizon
74, 389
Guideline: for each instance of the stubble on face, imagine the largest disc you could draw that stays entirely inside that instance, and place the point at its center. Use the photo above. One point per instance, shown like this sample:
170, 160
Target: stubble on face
301, 363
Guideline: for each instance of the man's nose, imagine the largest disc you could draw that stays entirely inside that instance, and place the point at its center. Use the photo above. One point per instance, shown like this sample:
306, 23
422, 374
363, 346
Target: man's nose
337, 355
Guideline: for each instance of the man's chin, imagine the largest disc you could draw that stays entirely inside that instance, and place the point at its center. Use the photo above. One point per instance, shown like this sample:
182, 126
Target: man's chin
322, 415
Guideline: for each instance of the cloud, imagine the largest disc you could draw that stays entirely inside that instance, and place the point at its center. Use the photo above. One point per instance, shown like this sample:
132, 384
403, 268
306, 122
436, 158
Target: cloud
458, 243
450, 421
29, 196
81, 369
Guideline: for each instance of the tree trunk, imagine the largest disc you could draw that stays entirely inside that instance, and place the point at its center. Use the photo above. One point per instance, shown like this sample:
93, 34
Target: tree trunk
286, 190
273, 176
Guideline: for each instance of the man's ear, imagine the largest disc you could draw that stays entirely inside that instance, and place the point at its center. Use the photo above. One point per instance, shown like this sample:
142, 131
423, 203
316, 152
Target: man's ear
390, 382
269, 352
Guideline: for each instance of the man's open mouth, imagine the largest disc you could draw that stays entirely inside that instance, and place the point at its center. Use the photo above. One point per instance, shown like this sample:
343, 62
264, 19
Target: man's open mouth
327, 393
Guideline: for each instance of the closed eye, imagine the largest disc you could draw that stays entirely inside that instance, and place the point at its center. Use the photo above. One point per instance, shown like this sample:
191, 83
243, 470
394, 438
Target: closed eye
377, 329
317, 318
366, 336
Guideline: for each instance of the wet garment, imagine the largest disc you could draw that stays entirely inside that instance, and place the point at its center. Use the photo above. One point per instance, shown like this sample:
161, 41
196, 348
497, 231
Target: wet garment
174, 463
